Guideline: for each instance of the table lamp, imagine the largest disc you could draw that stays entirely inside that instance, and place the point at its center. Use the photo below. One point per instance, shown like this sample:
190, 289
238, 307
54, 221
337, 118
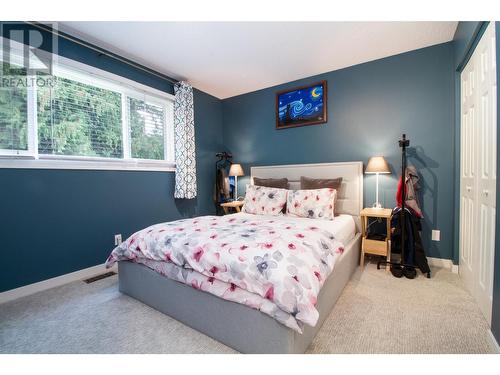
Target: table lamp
377, 165
235, 171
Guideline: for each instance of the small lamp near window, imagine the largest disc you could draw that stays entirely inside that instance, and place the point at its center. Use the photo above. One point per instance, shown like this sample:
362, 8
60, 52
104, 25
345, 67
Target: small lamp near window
377, 165
235, 171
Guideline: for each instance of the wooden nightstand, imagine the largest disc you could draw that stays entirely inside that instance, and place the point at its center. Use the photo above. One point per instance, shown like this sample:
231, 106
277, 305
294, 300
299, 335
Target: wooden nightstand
371, 246
234, 204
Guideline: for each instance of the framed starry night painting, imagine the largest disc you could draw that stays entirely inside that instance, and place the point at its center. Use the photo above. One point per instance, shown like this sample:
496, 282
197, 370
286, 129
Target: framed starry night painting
300, 106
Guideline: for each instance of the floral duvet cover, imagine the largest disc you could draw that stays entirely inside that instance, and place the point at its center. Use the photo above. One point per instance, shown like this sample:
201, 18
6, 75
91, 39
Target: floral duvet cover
274, 265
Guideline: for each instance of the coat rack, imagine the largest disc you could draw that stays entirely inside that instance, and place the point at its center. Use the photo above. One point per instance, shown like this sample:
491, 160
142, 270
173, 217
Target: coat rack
399, 266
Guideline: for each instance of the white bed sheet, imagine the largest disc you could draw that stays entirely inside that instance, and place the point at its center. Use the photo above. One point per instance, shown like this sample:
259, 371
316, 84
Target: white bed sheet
342, 226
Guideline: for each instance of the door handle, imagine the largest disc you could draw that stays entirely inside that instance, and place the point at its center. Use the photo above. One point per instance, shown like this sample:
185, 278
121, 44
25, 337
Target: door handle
468, 188
486, 192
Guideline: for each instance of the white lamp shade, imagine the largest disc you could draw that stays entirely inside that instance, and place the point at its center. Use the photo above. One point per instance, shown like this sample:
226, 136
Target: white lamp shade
236, 170
377, 164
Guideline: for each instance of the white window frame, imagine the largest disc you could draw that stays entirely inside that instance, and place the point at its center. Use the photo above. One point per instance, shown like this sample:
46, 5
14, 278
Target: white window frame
80, 72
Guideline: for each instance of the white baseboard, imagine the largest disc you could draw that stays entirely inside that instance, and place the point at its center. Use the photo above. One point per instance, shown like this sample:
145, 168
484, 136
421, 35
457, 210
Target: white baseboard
493, 342
442, 263
23, 291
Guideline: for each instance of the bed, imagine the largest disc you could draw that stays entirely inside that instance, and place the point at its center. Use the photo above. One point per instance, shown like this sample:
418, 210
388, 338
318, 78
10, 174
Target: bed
237, 325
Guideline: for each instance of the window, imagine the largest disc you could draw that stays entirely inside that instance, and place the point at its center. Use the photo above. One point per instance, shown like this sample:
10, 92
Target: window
14, 115
79, 119
81, 116
146, 129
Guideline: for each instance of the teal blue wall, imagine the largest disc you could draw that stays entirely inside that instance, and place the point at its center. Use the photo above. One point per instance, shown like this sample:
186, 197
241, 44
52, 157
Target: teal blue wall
54, 222
369, 107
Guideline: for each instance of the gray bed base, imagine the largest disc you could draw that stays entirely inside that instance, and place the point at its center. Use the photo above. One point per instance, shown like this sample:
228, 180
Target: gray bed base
240, 327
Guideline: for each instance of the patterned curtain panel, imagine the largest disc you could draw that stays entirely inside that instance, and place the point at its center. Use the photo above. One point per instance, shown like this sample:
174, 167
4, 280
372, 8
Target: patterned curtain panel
185, 156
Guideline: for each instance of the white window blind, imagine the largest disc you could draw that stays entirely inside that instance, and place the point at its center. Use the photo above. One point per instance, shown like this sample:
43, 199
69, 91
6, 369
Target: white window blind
147, 129
79, 119
13, 113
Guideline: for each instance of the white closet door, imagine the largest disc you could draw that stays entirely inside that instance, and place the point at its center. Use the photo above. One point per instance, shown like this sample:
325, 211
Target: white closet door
478, 172
468, 162
486, 90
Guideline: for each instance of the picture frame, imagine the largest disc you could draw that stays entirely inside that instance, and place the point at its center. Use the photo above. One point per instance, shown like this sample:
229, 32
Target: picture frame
302, 106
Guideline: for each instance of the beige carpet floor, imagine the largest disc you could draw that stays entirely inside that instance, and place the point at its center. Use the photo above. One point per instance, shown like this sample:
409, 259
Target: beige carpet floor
376, 313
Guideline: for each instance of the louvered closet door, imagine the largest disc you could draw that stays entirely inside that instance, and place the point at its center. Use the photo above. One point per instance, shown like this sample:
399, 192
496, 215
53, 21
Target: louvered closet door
478, 172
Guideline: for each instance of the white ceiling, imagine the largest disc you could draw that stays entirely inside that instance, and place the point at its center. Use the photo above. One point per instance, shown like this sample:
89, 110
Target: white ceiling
231, 58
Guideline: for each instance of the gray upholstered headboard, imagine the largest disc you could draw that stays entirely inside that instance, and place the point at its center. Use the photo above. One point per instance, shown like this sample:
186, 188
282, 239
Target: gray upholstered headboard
350, 196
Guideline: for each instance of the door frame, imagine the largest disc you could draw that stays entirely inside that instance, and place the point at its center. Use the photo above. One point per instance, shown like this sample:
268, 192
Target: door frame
477, 36
469, 50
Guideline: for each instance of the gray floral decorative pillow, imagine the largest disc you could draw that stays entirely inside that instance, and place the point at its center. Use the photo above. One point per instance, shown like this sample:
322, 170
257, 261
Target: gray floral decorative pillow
261, 200
313, 204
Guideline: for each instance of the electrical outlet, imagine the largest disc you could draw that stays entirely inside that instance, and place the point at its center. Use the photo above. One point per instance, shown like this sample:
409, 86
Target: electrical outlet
118, 239
436, 235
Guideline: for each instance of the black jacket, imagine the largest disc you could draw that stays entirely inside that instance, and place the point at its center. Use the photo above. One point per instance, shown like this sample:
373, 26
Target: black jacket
414, 252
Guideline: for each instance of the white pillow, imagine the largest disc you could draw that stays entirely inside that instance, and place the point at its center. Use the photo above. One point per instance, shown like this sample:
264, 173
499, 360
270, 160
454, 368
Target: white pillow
261, 200
313, 204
